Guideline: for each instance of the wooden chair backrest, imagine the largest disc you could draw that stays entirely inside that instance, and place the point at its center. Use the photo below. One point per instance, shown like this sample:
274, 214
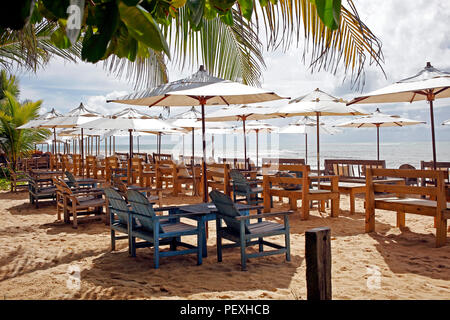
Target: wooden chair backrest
140, 205
227, 209
141, 155
282, 161
442, 166
432, 191
161, 156
300, 171
351, 168
122, 156
117, 205
237, 163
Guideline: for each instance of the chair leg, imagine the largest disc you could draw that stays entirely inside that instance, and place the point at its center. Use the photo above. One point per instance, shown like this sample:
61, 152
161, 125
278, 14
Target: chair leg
156, 252
243, 245
400, 219
441, 232
219, 240
75, 219
113, 240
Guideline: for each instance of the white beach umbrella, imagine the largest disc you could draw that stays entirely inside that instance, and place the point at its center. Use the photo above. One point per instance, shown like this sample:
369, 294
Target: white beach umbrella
124, 120
41, 119
446, 122
306, 125
429, 84
199, 89
243, 113
318, 103
73, 119
378, 119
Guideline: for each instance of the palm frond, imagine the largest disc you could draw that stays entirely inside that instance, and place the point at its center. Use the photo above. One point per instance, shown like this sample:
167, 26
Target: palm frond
351, 46
230, 52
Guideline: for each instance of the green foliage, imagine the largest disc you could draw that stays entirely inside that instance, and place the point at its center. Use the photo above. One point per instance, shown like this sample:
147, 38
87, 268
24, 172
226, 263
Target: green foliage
329, 12
18, 142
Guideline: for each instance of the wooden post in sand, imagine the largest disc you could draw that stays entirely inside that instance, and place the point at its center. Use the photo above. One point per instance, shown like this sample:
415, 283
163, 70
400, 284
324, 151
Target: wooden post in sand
318, 263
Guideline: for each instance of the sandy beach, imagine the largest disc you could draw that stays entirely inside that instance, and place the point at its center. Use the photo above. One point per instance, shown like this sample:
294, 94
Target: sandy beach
40, 257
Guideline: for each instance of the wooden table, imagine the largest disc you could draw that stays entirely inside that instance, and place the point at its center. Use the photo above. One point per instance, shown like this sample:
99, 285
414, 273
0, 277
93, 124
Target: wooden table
206, 212
354, 188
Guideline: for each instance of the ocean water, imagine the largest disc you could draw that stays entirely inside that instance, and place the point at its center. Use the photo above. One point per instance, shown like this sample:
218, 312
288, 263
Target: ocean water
394, 153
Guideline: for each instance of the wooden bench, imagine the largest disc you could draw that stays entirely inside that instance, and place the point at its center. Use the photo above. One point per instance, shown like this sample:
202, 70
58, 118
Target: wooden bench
273, 186
350, 170
404, 202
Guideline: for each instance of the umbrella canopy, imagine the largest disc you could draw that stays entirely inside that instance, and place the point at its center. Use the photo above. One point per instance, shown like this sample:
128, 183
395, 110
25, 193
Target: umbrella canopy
125, 120
378, 119
243, 113
429, 84
446, 122
318, 103
199, 89
306, 126
41, 119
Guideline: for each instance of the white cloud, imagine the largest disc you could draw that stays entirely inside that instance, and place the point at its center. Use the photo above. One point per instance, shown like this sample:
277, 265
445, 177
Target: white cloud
412, 33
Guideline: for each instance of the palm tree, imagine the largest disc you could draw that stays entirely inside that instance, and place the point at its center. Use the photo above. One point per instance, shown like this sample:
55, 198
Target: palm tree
15, 142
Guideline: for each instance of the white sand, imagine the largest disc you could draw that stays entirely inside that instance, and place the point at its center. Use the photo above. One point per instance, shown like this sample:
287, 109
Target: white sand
36, 253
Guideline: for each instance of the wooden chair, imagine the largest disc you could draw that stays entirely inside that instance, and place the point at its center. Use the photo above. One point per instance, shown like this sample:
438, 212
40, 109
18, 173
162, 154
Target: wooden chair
182, 176
160, 230
118, 216
147, 174
91, 166
403, 202
218, 177
123, 189
82, 202
239, 231
165, 175
111, 164
77, 167
249, 189
59, 198
161, 157
18, 179
277, 186
40, 189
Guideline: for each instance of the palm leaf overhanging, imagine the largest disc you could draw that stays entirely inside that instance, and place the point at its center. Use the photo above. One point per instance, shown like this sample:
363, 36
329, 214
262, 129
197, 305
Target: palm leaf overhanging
31, 47
352, 45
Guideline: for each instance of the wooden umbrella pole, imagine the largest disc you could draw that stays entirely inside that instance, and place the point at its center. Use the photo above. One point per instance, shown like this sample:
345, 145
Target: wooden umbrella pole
245, 144
130, 157
318, 151
82, 152
306, 148
378, 142
257, 147
432, 132
205, 182
54, 140
194, 186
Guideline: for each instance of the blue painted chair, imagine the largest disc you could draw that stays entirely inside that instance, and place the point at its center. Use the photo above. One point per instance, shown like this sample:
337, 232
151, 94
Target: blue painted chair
246, 188
118, 216
241, 233
160, 230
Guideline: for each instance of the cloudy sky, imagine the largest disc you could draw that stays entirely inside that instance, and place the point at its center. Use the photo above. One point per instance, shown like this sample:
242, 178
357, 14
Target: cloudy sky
412, 33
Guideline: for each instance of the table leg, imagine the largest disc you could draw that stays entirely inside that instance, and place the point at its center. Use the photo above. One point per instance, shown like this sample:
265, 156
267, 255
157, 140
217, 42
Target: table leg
352, 202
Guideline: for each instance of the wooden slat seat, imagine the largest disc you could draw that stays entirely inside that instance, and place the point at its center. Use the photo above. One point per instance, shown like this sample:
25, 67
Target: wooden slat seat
429, 200
240, 231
